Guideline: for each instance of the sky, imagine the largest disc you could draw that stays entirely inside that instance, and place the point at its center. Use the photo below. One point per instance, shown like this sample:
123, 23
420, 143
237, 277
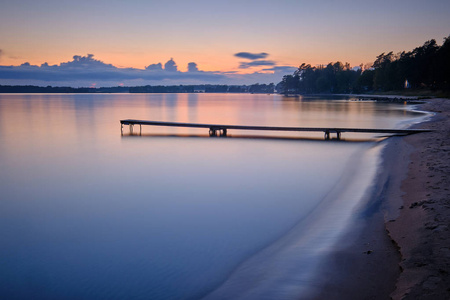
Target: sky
117, 42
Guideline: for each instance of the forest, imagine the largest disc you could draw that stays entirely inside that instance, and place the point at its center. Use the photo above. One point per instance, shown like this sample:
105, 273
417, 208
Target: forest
425, 68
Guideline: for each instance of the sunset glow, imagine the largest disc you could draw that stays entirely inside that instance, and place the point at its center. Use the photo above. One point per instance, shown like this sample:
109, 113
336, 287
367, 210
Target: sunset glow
136, 34
233, 149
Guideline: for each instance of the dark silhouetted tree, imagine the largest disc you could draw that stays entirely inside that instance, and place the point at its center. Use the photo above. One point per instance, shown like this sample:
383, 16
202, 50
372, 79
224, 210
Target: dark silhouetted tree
427, 66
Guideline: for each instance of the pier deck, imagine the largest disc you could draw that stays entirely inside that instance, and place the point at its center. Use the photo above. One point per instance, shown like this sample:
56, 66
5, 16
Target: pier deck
222, 130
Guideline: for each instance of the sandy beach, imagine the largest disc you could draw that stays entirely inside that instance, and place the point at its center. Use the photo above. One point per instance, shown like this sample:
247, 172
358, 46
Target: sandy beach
421, 229
400, 248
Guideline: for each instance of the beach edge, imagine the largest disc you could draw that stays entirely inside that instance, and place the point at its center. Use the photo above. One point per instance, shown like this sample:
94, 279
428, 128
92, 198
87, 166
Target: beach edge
399, 247
420, 231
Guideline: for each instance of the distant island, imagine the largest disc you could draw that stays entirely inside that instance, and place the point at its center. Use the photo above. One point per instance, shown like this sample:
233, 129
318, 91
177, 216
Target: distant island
203, 88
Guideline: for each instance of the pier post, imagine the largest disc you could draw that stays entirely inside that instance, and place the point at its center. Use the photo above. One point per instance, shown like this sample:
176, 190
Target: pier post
140, 129
131, 128
327, 135
121, 129
338, 135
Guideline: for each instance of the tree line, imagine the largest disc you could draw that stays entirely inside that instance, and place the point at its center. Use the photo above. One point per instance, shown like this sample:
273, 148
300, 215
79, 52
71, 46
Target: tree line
60, 89
203, 88
425, 67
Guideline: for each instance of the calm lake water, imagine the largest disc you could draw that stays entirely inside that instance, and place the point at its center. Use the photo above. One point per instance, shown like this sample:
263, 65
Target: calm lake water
86, 213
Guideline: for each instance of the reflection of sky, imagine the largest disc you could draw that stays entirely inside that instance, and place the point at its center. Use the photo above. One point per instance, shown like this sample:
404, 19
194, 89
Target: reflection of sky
140, 33
87, 213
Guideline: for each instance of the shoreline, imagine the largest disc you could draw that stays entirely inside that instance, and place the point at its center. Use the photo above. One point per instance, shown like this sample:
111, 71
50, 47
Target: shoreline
322, 228
399, 247
421, 229
364, 265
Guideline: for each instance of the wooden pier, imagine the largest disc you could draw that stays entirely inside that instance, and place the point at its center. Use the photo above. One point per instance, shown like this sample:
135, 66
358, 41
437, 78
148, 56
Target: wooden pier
222, 130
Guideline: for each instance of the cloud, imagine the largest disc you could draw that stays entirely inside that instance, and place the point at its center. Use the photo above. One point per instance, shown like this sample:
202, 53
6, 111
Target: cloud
86, 62
1, 53
251, 56
86, 70
256, 63
170, 66
284, 69
257, 60
157, 66
192, 67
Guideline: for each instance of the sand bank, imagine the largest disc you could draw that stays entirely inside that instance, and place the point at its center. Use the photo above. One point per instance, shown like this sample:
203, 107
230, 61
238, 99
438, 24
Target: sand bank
421, 227
400, 247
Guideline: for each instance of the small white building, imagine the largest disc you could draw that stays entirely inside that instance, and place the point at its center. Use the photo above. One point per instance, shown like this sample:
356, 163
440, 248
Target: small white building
407, 85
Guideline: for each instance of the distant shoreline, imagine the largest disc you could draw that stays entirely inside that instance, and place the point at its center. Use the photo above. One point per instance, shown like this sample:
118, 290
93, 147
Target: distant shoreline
393, 96
147, 89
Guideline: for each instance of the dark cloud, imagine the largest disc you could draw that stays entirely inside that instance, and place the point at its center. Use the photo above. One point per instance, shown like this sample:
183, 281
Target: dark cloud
157, 66
46, 65
86, 62
251, 56
86, 70
286, 69
256, 63
171, 66
192, 67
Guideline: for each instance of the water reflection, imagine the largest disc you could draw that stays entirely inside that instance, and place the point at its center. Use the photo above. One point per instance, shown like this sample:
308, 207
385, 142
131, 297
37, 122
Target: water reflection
256, 137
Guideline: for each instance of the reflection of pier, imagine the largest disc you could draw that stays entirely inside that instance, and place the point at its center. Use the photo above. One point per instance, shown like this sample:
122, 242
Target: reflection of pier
221, 130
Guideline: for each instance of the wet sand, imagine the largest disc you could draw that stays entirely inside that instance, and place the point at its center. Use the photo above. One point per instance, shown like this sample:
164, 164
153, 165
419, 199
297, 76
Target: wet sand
400, 247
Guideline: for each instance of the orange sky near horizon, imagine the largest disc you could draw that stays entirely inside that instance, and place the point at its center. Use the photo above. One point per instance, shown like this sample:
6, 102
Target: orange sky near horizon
136, 34
220, 59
